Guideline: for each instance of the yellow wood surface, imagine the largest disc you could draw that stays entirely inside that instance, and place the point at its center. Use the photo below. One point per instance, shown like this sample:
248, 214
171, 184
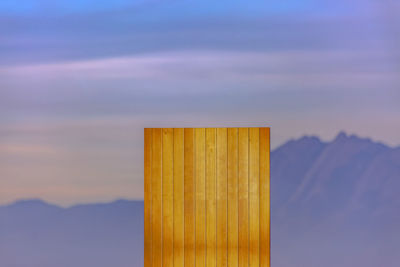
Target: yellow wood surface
211, 203
156, 186
222, 198
254, 211
189, 198
243, 205
147, 197
233, 197
200, 206
167, 197
264, 198
207, 197
179, 216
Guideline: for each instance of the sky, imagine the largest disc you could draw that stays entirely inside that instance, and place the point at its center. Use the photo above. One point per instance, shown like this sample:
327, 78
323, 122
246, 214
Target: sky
79, 80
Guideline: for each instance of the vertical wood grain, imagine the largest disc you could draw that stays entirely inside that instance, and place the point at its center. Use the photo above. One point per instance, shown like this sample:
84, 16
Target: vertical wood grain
264, 197
167, 197
243, 208
189, 201
222, 195
211, 204
178, 198
147, 197
233, 197
207, 197
156, 186
200, 188
254, 197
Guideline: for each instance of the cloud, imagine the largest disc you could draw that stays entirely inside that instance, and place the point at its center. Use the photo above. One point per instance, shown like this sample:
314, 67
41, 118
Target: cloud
157, 26
23, 150
187, 81
311, 68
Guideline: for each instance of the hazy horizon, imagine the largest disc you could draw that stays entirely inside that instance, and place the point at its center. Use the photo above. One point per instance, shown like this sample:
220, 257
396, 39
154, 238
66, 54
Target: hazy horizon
118, 198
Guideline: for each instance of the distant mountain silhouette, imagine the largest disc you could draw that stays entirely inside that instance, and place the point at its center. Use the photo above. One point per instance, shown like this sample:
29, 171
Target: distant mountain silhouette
34, 233
333, 204
346, 176
336, 203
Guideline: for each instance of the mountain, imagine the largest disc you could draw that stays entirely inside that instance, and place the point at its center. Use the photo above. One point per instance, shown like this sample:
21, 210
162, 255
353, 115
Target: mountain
332, 204
34, 233
325, 180
335, 203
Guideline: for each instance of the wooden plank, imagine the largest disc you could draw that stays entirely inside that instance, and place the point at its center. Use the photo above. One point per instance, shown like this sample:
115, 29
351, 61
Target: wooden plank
147, 197
178, 198
243, 208
200, 188
211, 204
222, 196
189, 201
167, 197
207, 197
156, 186
264, 197
254, 226
232, 197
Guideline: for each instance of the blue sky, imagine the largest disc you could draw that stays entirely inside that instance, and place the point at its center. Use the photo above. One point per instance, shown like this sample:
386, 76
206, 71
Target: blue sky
80, 79
177, 8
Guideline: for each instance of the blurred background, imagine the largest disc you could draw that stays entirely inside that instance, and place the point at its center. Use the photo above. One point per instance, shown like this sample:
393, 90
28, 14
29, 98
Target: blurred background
79, 80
